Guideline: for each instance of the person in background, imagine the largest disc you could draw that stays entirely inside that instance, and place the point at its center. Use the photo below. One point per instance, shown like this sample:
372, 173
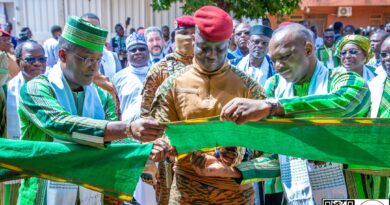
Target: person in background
241, 36
51, 46
257, 64
377, 39
349, 30
305, 23
266, 22
387, 27
327, 52
31, 59
317, 39
173, 43
6, 46
154, 39
129, 81
167, 41
8, 27
355, 51
118, 44
338, 28
25, 34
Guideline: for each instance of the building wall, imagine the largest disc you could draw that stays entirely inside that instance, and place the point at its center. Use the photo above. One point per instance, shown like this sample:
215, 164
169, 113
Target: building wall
40, 15
325, 16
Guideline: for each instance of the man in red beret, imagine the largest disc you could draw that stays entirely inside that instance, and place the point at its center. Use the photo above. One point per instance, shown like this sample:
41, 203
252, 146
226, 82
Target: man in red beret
200, 91
173, 62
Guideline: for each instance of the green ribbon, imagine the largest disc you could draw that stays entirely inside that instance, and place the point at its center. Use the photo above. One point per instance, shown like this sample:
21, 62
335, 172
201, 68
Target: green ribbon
349, 141
113, 171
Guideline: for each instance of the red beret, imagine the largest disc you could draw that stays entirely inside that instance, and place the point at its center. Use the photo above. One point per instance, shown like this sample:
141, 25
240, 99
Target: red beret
214, 23
4, 33
184, 22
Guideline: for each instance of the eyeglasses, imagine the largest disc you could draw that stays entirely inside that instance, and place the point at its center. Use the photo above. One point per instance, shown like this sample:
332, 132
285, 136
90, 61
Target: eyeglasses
385, 54
141, 49
351, 52
245, 32
32, 60
260, 42
330, 37
87, 61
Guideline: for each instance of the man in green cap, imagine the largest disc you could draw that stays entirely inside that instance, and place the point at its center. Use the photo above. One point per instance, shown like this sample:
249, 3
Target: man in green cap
63, 105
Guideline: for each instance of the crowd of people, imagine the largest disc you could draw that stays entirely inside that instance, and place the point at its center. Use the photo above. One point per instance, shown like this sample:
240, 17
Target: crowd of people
77, 85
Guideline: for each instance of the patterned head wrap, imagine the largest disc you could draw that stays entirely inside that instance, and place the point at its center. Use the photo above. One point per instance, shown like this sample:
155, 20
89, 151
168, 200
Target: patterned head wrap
361, 41
84, 34
135, 39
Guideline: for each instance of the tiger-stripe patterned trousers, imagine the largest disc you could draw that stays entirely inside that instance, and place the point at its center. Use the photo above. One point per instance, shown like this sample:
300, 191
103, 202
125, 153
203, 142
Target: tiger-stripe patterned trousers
189, 192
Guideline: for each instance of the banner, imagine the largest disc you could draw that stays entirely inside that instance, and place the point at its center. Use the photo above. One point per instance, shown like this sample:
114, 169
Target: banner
113, 171
344, 140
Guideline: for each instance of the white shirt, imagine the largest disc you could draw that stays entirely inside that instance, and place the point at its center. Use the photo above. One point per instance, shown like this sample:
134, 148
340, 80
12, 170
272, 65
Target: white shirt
129, 83
51, 51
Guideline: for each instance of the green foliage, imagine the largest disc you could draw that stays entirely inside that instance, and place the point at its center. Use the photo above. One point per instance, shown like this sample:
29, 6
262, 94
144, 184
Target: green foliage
240, 8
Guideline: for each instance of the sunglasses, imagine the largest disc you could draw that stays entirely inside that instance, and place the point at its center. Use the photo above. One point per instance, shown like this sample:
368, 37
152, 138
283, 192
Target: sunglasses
351, 52
246, 33
141, 49
32, 60
329, 37
384, 54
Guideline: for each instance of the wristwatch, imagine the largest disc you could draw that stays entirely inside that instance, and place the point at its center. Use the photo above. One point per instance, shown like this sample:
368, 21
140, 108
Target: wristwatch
128, 132
274, 103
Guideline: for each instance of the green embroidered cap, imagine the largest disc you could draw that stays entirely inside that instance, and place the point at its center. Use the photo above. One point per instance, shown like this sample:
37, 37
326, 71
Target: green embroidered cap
84, 34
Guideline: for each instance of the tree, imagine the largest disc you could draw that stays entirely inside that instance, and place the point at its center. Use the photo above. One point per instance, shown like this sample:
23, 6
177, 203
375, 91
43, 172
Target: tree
240, 8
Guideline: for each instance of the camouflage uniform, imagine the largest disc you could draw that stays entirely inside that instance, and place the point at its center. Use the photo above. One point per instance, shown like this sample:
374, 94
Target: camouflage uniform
194, 93
157, 74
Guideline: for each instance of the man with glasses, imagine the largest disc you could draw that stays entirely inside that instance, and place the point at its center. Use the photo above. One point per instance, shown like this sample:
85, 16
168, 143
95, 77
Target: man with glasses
63, 105
303, 87
31, 59
241, 37
258, 64
129, 81
327, 52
